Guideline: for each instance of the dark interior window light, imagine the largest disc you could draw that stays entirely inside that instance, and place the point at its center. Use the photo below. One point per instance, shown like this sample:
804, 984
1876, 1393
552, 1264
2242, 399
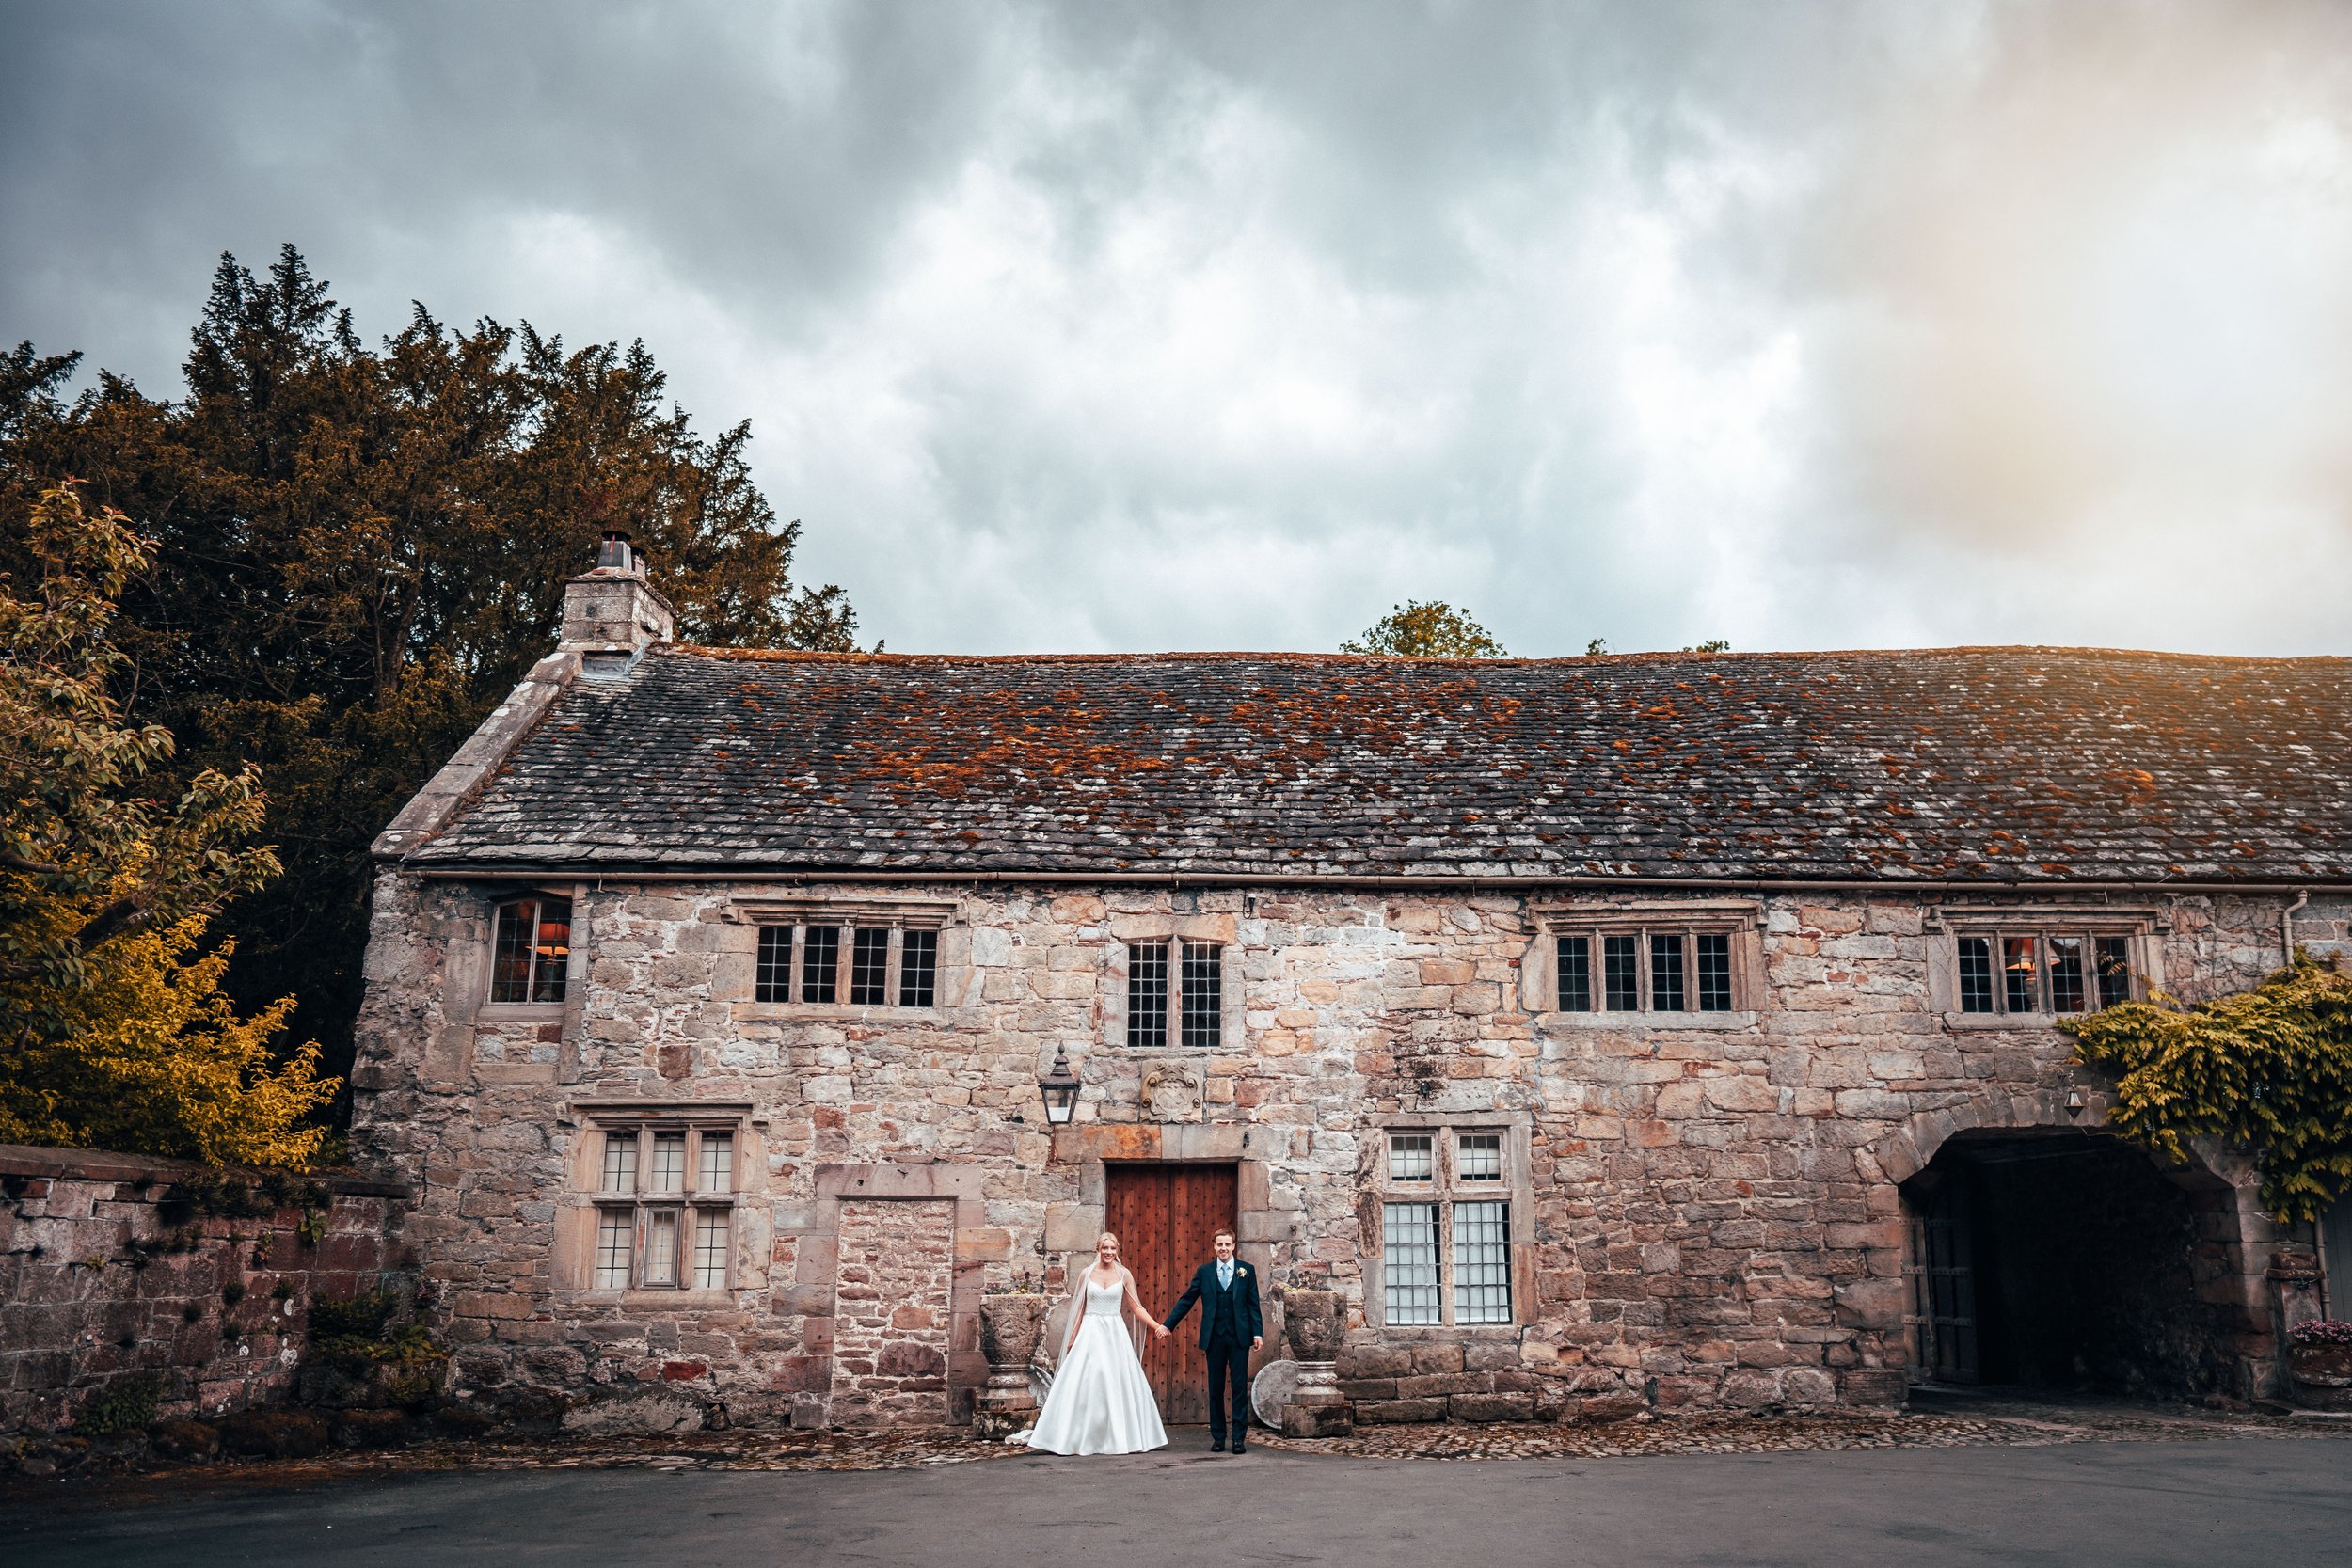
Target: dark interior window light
1665, 974
1204, 994
1147, 995
1620, 964
820, 958
2114, 970
2066, 975
1576, 974
869, 967
2022, 984
1714, 971
1976, 975
773, 979
532, 949
918, 968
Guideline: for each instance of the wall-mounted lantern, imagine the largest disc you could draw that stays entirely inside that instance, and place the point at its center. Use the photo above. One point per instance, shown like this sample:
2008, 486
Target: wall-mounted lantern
1060, 1089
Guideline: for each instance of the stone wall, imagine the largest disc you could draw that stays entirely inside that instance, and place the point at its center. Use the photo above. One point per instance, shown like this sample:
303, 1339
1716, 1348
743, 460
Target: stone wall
194, 1283
891, 1312
1705, 1212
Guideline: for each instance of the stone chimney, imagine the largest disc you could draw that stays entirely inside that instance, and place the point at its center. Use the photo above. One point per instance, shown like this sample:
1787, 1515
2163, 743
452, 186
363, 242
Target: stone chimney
612, 615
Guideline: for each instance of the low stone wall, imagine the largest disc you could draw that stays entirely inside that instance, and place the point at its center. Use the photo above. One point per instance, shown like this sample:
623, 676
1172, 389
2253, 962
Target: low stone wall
1491, 1380
138, 1290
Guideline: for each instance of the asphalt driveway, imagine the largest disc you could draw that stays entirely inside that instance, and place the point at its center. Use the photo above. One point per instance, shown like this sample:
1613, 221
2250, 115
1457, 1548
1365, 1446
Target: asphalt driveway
2206, 1502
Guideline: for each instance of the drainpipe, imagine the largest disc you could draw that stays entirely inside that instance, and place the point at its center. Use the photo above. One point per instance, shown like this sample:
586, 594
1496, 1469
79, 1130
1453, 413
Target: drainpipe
2286, 923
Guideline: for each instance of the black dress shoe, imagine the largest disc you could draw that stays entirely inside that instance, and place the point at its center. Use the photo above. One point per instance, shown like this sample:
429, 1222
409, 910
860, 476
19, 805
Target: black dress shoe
1239, 1447
1218, 1446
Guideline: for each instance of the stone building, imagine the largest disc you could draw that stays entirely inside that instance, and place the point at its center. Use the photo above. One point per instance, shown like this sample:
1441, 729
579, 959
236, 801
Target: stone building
1671, 1028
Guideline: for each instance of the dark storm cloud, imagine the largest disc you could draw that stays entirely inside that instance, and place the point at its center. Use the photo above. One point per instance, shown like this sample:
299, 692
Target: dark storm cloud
1155, 325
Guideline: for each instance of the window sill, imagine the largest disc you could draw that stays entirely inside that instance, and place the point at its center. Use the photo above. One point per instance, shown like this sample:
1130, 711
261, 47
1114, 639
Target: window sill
658, 1296
520, 1012
1724, 1023
802, 1012
664, 1200
2011, 1022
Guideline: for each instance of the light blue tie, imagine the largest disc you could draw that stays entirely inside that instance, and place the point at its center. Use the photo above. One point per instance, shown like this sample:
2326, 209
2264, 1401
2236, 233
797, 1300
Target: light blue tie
1225, 1276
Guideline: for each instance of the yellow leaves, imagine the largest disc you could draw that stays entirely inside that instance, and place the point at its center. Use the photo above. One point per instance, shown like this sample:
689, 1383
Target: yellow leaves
156, 1061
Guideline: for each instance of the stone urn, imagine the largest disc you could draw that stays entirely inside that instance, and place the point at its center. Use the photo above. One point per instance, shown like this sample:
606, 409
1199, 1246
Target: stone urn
1009, 1324
2323, 1375
1312, 1321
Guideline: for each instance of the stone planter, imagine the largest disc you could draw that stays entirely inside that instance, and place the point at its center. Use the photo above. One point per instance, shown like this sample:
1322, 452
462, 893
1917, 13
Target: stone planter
2323, 1375
1312, 1321
1009, 1327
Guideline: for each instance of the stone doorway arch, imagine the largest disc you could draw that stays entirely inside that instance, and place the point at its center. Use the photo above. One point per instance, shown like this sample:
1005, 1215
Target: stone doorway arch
2042, 1249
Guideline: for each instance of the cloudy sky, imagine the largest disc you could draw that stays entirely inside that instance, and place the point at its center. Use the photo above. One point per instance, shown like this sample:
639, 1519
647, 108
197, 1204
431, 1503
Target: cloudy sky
1103, 326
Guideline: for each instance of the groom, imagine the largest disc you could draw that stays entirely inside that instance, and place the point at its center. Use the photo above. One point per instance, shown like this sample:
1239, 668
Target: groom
1230, 1328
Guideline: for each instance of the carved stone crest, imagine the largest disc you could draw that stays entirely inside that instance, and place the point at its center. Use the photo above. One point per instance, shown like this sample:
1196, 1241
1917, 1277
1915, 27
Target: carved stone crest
1172, 1091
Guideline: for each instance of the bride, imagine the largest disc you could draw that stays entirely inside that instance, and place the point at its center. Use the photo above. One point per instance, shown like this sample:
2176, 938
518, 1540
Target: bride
1101, 1401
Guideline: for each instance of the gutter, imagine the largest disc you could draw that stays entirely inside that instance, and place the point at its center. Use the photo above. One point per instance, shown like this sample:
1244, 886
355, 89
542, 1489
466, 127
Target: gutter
2286, 924
589, 872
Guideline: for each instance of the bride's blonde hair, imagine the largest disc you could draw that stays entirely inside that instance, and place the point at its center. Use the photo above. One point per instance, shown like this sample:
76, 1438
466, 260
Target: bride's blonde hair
1110, 1236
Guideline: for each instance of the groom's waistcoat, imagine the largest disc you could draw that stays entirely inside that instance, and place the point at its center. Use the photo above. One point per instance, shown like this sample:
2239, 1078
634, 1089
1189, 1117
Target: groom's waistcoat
1223, 1307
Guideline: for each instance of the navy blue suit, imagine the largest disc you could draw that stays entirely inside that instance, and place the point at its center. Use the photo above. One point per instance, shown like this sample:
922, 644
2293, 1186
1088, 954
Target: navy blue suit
1229, 1320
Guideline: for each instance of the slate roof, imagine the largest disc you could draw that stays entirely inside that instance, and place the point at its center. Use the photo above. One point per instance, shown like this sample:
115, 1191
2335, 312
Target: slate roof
2030, 765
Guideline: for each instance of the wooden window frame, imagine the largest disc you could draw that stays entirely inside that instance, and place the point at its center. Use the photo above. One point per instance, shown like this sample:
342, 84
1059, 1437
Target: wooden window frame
1446, 1189
538, 900
1646, 935
850, 924
1997, 933
1177, 951
688, 1201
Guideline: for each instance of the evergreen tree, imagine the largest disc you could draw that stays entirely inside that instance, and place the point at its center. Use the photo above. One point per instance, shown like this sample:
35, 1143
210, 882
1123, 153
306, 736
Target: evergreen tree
359, 550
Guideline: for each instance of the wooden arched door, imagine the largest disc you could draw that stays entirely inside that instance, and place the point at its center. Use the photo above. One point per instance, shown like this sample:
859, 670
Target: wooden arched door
1166, 1218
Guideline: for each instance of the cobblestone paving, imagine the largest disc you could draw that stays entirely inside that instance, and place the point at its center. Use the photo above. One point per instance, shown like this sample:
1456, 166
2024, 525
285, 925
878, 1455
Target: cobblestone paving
1988, 1423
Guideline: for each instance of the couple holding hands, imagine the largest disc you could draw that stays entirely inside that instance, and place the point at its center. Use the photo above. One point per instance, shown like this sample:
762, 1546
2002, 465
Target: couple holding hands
1101, 1401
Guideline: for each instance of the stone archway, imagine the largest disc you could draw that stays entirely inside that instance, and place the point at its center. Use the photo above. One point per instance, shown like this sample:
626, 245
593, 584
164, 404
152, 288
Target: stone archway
2042, 1250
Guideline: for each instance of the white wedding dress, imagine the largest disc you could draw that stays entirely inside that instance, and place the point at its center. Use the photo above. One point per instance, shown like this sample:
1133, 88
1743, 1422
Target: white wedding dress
1101, 1401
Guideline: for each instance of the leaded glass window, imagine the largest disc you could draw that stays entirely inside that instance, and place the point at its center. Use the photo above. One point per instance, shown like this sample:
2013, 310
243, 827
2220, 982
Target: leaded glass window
1482, 1262
1446, 1226
773, 981
1175, 992
1204, 994
1409, 1262
666, 1198
2042, 973
1714, 951
1147, 995
1621, 967
1576, 974
530, 950
821, 962
918, 968
869, 968
1412, 1157
1665, 973
1479, 1156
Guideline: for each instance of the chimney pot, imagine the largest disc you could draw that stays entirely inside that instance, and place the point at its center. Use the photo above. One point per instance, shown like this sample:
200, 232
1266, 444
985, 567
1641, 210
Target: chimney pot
611, 614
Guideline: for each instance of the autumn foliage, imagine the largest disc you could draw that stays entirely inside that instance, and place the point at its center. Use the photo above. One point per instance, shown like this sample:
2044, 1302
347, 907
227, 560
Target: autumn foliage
113, 1031
2271, 1068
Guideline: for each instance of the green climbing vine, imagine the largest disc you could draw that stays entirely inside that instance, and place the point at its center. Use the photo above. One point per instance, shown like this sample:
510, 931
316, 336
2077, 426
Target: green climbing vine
2271, 1068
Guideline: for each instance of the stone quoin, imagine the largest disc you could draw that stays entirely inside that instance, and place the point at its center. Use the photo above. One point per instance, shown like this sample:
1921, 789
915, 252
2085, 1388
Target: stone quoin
1611, 1034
